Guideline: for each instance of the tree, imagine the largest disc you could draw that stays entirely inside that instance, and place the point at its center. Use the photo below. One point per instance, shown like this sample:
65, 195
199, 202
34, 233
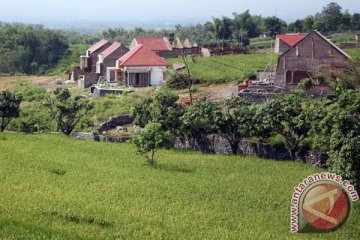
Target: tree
141, 111
341, 128
167, 111
199, 119
308, 25
355, 22
222, 28
331, 16
286, 116
296, 26
274, 26
236, 124
345, 21
66, 110
150, 139
163, 109
9, 108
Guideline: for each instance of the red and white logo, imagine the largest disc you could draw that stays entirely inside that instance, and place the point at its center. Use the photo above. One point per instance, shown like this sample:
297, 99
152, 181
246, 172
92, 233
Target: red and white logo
325, 206
321, 202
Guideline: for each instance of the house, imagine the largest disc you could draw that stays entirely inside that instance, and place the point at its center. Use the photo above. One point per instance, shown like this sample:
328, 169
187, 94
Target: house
159, 45
311, 55
284, 42
98, 58
88, 62
162, 46
140, 67
109, 57
357, 39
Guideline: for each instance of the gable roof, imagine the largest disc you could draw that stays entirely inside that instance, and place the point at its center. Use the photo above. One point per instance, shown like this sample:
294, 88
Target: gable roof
97, 45
187, 43
141, 56
155, 43
110, 49
291, 39
325, 39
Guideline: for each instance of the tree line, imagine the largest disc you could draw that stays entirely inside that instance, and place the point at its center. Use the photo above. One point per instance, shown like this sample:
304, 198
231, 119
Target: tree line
241, 27
29, 49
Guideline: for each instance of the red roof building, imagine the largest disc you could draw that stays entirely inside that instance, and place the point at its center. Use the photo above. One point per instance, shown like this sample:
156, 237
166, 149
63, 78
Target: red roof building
286, 41
153, 43
141, 56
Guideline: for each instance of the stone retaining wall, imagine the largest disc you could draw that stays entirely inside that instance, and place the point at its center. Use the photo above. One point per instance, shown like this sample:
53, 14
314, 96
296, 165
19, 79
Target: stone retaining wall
114, 122
219, 145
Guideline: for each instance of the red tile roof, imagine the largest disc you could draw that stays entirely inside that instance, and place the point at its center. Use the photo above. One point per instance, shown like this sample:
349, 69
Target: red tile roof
291, 39
155, 43
141, 56
97, 45
110, 49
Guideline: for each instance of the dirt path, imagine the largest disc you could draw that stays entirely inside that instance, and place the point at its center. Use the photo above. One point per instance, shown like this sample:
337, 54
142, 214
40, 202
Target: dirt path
220, 92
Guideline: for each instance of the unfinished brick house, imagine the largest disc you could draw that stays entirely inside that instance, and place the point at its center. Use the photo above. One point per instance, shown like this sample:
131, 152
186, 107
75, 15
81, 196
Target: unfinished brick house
109, 57
88, 62
284, 42
98, 58
311, 55
140, 67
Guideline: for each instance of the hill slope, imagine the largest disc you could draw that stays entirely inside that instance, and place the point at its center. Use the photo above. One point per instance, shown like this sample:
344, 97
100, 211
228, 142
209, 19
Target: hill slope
220, 69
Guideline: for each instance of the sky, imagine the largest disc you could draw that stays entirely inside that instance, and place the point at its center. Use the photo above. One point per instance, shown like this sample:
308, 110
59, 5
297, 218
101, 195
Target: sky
197, 11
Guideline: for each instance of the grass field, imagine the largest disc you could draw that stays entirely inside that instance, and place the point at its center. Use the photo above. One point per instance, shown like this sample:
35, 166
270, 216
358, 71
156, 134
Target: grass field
354, 53
220, 69
53, 187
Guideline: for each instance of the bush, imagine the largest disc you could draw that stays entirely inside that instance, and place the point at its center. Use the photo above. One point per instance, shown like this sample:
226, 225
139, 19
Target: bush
305, 84
32, 119
32, 92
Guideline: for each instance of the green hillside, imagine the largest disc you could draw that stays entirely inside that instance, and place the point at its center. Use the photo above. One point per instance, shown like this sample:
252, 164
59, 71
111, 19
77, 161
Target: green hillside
70, 60
220, 69
54, 187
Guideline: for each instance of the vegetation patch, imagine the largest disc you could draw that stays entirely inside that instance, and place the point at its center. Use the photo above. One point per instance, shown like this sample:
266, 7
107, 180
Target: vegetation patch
79, 218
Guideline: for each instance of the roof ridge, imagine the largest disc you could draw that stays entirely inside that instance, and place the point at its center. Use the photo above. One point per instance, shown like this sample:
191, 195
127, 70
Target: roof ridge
131, 53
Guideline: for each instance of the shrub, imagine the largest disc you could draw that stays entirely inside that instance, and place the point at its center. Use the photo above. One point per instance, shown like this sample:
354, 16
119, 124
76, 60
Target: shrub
305, 84
9, 108
32, 92
150, 139
32, 119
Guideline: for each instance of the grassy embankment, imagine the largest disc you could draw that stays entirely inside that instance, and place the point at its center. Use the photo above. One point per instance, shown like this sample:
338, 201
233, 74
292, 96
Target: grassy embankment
229, 68
59, 188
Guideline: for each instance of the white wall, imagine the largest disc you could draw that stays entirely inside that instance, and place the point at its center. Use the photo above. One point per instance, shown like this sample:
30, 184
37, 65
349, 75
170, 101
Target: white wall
157, 76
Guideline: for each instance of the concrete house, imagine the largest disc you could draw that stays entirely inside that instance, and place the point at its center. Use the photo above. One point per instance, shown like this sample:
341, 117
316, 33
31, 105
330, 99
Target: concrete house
109, 57
140, 67
311, 55
284, 42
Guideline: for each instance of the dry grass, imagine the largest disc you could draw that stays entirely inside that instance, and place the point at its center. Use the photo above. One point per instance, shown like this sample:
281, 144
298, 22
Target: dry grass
11, 82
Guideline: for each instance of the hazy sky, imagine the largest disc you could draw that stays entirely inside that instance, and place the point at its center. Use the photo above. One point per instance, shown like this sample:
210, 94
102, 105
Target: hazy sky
63, 10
